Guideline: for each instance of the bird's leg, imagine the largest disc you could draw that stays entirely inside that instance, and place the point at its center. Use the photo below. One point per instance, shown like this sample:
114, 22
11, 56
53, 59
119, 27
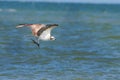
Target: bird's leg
37, 43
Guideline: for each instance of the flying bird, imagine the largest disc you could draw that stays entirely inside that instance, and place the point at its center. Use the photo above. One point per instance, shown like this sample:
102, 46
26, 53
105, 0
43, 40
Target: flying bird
40, 31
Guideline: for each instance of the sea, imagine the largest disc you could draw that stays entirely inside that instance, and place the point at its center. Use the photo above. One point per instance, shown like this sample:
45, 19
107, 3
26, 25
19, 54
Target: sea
87, 45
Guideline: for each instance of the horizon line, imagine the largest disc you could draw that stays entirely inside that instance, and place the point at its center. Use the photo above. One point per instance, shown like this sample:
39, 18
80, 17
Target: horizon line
63, 2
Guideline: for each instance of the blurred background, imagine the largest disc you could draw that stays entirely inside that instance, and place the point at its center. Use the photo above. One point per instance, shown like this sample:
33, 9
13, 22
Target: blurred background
87, 45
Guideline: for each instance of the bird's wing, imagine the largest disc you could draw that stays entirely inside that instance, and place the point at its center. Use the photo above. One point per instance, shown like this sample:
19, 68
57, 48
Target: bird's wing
22, 25
45, 31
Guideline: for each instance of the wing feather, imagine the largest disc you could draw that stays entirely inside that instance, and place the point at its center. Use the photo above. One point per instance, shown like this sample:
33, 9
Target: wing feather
48, 29
45, 32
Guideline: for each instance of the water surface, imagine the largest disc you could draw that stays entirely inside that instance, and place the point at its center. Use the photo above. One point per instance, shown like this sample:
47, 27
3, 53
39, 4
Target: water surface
87, 45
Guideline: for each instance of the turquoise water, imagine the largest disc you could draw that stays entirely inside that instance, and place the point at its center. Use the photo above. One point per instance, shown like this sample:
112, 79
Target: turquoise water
87, 45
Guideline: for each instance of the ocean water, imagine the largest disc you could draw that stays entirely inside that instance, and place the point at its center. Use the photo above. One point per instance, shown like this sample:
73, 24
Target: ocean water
87, 45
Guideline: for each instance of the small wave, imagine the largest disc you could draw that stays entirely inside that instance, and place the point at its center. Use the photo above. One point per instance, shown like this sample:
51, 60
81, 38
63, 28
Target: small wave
11, 10
0, 10
117, 37
8, 10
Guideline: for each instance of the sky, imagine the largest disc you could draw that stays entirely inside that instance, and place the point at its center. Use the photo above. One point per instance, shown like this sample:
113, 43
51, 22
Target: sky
76, 1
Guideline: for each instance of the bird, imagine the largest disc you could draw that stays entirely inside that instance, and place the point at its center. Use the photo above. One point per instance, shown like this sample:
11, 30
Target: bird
40, 31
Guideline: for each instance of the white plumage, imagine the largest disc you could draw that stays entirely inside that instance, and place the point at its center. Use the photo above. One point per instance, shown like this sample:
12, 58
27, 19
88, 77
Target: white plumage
46, 35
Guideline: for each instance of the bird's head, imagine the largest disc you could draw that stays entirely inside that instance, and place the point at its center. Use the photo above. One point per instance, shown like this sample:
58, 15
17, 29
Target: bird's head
52, 38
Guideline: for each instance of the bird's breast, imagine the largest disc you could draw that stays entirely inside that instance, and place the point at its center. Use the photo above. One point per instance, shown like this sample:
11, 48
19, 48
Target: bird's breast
44, 37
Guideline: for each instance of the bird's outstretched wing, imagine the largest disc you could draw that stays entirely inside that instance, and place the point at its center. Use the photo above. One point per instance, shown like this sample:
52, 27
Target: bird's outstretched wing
46, 30
22, 25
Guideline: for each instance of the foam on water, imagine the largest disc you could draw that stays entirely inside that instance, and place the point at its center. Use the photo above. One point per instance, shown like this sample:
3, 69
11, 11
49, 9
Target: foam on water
11, 10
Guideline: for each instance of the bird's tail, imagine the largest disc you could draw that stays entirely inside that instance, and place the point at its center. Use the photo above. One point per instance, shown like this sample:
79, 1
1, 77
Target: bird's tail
22, 25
